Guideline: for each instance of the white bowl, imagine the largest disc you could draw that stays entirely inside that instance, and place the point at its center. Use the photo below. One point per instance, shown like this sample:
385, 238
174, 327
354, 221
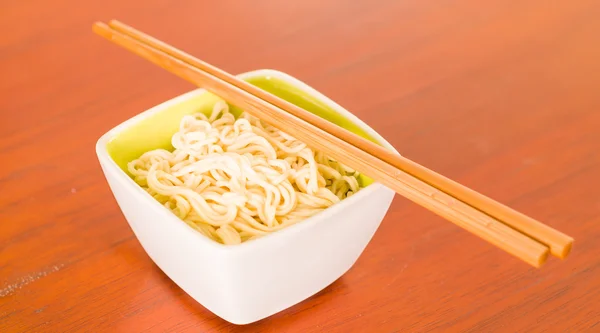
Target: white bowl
247, 282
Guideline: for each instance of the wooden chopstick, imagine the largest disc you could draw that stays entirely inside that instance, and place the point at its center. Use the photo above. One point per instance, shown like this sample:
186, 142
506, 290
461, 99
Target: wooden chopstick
559, 243
403, 183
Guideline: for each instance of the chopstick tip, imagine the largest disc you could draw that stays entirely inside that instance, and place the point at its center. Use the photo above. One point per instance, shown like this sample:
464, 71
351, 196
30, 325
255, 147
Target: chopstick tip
541, 259
98, 26
116, 24
566, 250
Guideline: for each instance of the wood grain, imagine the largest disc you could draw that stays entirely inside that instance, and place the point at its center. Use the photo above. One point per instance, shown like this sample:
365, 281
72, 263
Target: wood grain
501, 96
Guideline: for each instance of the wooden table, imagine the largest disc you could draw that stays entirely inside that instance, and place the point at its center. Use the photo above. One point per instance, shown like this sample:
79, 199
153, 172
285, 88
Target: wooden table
503, 96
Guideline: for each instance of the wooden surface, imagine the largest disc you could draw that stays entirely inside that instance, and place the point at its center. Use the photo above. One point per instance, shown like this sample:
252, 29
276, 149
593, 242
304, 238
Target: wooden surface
502, 96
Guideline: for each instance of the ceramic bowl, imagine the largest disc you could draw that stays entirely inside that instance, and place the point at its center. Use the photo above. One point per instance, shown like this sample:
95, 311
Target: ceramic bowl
253, 280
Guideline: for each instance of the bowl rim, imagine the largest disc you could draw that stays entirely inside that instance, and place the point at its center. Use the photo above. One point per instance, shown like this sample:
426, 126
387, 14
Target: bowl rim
120, 176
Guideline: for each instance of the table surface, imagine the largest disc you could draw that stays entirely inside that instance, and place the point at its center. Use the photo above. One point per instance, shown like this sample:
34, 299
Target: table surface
501, 96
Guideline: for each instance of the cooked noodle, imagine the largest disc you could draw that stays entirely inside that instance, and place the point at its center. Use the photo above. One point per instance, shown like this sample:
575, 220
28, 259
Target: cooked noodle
238, 179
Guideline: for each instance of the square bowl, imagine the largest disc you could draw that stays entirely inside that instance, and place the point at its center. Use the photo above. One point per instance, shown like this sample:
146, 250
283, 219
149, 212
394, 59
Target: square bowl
250, 281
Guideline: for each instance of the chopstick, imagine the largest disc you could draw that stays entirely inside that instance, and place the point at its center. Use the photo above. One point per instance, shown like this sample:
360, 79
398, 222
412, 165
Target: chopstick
403, 183
559, 243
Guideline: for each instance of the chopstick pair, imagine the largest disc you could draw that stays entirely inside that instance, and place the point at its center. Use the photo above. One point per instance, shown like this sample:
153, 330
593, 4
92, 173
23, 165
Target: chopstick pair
500, 225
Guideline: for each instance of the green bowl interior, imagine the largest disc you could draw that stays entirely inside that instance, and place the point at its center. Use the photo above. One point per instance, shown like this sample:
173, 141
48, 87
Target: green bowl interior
155, 132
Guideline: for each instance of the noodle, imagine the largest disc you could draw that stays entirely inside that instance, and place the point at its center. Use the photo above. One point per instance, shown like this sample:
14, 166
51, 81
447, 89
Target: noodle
238, 179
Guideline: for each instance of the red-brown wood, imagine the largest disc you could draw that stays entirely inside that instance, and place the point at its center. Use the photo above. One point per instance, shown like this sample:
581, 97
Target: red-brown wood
501, 96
